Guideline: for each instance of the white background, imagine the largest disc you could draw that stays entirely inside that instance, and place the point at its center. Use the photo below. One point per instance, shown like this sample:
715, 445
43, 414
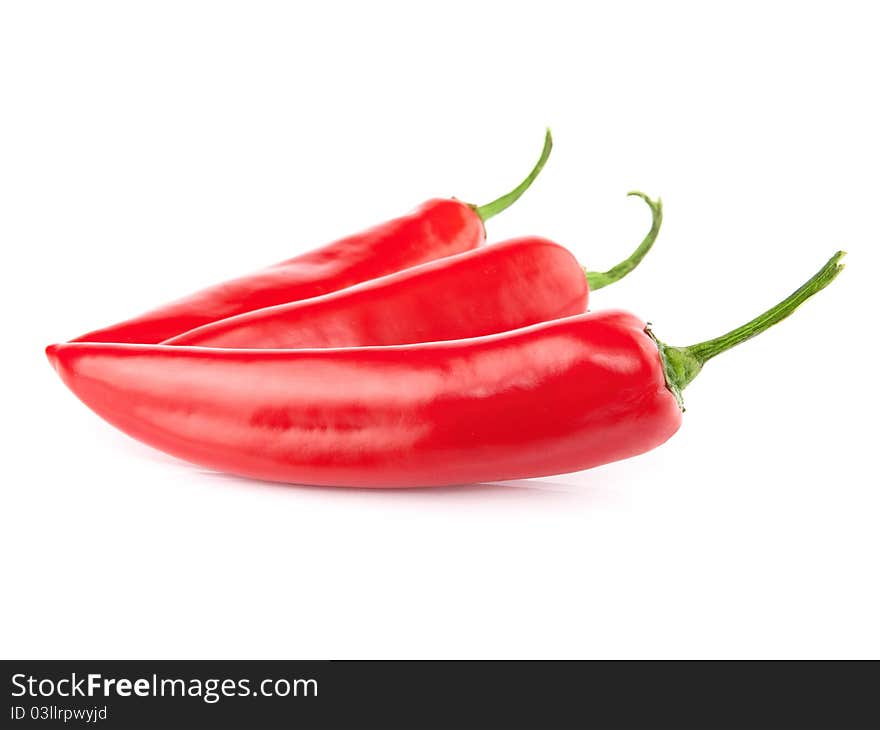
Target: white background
152, 148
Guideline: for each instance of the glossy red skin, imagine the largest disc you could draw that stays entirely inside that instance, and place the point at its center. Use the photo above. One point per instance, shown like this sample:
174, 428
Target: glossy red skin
493, 289
551, 398
435, 229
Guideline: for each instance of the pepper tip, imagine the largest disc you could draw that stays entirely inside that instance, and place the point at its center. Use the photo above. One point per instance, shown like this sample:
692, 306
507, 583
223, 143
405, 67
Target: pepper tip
52, 355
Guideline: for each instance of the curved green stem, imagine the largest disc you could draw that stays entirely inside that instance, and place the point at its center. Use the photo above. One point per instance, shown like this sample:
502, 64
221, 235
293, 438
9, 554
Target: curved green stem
505, 201
598, 279
682, 364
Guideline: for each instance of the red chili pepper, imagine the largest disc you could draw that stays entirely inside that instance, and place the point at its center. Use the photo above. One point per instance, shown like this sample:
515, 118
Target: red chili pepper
554, 397
493, 289
435, 229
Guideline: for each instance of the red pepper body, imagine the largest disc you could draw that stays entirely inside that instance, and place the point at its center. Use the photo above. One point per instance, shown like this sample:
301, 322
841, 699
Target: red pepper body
493, 289
435, 229
554, 397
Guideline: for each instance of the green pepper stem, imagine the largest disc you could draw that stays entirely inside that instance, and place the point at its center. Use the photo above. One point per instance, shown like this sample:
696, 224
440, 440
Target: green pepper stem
598, 279
505, 201
682, 364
